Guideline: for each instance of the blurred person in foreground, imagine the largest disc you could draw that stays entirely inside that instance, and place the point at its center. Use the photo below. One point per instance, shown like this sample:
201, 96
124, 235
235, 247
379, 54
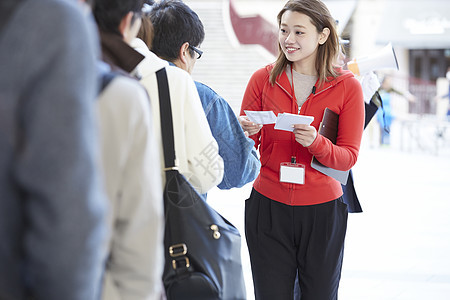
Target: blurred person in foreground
52, 208
129, 152
196, 150
178, 32
295, 218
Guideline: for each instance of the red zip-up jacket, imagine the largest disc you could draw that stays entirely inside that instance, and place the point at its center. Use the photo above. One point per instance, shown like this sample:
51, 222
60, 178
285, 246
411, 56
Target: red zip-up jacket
344, 96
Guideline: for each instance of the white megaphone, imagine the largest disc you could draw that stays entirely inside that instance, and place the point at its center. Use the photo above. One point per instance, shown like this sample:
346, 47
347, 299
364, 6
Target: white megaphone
384, 59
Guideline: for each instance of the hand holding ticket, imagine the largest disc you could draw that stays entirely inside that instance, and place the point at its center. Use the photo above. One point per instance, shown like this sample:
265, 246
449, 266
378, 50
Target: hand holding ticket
285, 121
261, 117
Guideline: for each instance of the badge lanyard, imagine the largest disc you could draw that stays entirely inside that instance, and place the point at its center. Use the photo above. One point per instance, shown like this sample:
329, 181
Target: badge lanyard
294, 101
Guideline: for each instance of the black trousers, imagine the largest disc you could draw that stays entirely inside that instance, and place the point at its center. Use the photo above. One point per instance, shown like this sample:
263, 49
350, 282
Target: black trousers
283, 240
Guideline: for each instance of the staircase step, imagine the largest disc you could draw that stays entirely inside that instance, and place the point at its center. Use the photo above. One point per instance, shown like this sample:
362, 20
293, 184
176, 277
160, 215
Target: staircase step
226, 66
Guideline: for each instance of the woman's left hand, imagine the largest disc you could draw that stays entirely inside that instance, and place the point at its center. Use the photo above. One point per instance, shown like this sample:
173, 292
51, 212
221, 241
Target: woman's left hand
305, 134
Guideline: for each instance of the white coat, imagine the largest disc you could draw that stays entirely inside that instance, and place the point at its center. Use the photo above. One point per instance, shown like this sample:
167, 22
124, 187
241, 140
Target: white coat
129, 153
196, 150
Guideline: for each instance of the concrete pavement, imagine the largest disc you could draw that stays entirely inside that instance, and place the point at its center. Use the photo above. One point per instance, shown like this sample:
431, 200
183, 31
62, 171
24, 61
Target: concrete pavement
399, 247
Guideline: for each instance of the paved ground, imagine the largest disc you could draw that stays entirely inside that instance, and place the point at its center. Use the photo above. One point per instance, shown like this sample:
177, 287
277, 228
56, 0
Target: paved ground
399, 247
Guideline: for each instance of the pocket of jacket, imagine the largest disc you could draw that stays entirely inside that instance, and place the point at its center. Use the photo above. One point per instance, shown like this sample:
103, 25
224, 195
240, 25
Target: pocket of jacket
279, 152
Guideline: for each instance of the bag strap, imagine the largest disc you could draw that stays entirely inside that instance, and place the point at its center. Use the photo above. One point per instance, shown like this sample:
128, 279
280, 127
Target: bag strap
165, 111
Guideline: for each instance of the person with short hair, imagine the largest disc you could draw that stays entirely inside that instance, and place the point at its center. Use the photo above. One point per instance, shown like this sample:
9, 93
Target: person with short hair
196, 149
178, 33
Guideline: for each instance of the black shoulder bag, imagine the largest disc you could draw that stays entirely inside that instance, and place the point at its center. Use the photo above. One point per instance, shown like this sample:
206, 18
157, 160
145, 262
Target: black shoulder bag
202, 249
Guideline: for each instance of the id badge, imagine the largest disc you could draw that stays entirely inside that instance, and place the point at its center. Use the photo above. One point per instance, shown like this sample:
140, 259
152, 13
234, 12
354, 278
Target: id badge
292, 173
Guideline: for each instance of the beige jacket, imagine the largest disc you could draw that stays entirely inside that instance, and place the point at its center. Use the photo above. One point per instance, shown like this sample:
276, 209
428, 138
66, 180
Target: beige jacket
196, 149
135, 263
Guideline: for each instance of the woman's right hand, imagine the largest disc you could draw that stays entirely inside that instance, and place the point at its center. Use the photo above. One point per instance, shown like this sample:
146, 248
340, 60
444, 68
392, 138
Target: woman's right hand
248, 126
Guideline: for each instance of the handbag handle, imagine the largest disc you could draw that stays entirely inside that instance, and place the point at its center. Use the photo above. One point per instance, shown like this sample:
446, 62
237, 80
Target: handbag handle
165, 111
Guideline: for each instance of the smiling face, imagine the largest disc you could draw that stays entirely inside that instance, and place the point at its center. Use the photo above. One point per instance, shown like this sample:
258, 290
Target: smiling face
299, 40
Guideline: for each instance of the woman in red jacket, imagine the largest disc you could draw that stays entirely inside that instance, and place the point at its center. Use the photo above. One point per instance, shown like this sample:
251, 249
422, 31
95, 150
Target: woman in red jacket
295, 220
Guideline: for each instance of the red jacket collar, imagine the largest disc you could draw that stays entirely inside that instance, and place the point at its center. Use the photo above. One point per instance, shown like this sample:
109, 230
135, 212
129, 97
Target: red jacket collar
283, 81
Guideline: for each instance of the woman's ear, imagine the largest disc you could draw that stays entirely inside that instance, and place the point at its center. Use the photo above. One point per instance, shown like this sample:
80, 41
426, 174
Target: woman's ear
323, 36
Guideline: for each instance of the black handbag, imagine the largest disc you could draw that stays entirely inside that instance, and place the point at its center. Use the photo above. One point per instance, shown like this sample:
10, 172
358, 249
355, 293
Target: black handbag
202, 249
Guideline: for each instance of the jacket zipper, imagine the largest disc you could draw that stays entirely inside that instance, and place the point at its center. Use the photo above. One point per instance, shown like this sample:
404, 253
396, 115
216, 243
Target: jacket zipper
312, 95
291, 185
298, 112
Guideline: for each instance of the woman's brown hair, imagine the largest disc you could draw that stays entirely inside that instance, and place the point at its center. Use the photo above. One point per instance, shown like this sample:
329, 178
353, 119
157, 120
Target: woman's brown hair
146, 31
327, 53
